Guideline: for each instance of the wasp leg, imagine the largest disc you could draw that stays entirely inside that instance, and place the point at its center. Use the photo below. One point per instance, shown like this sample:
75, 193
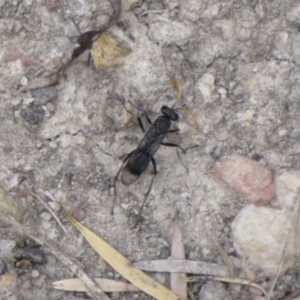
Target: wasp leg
183, 151
116, 179
174, 145
141, 123
178, 146
139, 215
148, 119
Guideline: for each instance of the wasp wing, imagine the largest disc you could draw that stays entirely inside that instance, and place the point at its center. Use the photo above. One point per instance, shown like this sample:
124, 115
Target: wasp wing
140, 159
136, 165
127, 177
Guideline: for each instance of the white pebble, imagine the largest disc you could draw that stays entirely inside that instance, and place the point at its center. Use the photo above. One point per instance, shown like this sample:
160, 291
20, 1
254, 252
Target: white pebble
46, 225
24, 81
46, 216
35, 274
28, 100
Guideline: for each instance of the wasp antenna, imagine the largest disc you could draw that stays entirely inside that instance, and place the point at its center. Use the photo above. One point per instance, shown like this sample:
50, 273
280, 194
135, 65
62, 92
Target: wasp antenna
176, 84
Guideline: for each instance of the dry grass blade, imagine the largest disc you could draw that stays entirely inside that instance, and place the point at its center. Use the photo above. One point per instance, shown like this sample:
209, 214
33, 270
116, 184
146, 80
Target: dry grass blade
226, 260
230, 280
182, 266
106, 285
178, 280
295, 218
123, 266
88, 282
93, 288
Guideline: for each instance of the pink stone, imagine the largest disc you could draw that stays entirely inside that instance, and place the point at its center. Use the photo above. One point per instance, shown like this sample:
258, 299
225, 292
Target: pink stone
247, 177
11, 53
51, 6
28, 61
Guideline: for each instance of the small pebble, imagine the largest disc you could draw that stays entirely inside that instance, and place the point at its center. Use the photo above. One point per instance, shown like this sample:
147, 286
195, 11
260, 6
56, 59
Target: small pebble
53, 145
46, 216
24, 81
115, 296
46, 225
153, 252
30, 199
50, 107
206, 86
81, 140
28, 100
18, 27
54, 205
161, 278
35, 274
213, 290
39, 144
282, 132
53, 234
33, 114
6, 247
51, 6
125, 205
78, 214
223, 93
110, 274
16, 101
255, 291
216, 152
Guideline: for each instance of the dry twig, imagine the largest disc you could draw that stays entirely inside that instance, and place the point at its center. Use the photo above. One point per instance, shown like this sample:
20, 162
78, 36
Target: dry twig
85, 42
296, 214
48, 207
178, 280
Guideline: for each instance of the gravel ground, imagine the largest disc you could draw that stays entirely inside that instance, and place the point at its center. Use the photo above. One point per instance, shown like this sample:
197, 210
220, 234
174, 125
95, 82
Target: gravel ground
237, 62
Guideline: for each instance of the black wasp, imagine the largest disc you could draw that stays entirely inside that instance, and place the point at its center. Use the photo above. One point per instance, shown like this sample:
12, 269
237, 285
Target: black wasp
137, 161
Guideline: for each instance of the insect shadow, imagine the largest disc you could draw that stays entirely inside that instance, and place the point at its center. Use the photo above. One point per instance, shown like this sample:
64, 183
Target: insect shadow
137, 161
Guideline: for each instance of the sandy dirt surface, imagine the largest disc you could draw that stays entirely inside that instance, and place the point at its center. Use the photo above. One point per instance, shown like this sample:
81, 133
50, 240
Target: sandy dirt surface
237, 62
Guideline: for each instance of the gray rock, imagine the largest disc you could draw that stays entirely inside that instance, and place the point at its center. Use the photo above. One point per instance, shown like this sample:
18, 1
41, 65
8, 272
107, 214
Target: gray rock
260, 232
44, 95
